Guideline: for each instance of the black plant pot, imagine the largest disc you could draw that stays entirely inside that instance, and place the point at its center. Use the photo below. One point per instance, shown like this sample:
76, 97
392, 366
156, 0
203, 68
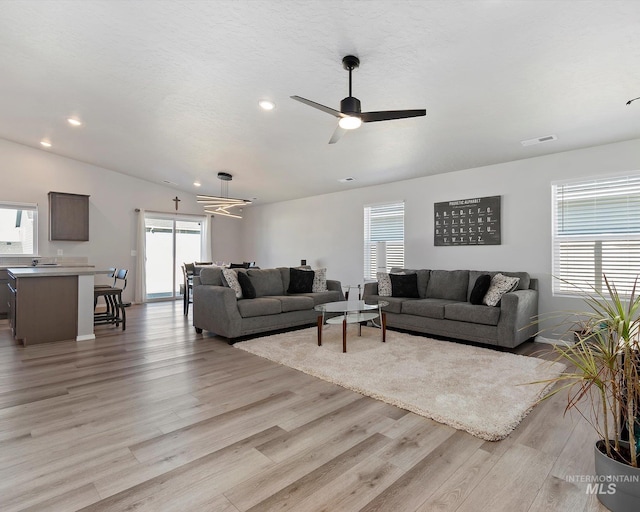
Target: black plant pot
618, 485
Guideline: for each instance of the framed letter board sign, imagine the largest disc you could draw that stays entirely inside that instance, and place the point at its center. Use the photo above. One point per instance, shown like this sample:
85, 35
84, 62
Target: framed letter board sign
467, 222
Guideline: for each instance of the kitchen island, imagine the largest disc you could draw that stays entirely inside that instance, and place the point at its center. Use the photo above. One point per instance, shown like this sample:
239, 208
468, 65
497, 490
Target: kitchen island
51, 303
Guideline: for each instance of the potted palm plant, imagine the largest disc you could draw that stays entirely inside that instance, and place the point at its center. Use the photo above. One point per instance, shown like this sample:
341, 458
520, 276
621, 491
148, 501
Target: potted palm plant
603, 386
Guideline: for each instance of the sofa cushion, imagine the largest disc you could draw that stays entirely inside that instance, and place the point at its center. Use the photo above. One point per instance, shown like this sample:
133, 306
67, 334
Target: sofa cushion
266, 281
300, 281
448, 284
500, 284
323, 297
294, 302
432, 308
404, 285
480, 289
525, 279
248, 291
465, 312
211, 276
395, 303
259, 307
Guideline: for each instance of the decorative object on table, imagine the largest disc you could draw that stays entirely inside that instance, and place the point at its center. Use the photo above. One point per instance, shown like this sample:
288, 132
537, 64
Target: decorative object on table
222, 204
433, 378
348, 288
603, 386
303, 263
467, 222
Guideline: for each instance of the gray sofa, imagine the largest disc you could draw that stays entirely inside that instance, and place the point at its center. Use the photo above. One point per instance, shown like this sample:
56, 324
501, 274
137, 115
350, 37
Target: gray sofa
443, 308
216, 308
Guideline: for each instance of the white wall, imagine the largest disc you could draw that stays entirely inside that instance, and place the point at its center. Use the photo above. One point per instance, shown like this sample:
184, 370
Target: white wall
29, 174
328, 230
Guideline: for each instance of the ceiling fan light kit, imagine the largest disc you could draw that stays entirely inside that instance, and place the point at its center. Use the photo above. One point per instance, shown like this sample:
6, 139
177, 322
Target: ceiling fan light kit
220, 205
350, 115
350, 122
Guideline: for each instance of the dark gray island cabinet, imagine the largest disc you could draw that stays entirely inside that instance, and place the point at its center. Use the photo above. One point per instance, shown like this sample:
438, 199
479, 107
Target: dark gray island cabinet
51, 304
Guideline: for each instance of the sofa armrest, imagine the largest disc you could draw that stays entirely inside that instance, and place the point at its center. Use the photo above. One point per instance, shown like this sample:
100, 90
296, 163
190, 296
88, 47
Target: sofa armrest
370, 289
215, 309
335, 286
518, 314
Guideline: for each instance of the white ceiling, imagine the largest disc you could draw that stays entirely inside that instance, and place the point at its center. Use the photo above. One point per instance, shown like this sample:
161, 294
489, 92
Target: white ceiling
168, 90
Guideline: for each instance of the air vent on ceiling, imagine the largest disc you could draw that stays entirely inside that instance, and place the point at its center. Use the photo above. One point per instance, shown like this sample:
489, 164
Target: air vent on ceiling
538, 140
347, 180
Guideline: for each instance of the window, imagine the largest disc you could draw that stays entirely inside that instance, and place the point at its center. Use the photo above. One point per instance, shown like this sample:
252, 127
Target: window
383, 238
596, 232
18, 229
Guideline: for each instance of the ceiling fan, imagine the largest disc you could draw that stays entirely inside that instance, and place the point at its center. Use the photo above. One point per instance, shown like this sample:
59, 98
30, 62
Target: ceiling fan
350, 115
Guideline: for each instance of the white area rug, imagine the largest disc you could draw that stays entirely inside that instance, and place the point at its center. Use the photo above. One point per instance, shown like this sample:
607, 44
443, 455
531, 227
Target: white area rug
479, 390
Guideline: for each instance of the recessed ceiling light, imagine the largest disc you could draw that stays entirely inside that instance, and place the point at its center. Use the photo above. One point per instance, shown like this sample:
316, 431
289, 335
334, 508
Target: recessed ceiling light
196, 183
74, 122
267, 104
45, 143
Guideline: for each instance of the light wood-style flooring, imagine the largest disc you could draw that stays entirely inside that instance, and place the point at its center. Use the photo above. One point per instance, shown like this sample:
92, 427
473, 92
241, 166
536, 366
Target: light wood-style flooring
160, 419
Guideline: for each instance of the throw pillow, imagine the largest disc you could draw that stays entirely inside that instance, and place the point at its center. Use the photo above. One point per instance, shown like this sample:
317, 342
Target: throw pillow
248, 290
384, 284
480, 289
231, 278
404, 285
319, 280
500, 284
300, 281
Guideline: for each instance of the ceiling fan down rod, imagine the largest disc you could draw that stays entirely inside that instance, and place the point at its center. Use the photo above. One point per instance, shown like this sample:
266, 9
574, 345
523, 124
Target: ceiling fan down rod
350, 62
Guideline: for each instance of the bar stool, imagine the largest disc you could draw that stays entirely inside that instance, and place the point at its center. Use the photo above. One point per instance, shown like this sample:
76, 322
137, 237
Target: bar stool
115, 312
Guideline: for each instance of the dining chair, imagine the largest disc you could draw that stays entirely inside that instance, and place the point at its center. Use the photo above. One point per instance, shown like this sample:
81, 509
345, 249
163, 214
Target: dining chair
188, 270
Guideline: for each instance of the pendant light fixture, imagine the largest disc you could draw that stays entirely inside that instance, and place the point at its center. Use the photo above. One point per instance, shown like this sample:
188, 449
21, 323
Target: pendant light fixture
222, 204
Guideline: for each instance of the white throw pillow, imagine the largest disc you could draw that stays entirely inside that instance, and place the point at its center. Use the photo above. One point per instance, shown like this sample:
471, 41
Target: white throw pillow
231, 279
384, 284
500, 284
319, 280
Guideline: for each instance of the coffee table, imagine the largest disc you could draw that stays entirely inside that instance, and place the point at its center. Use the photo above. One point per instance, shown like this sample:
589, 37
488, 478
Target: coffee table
352, 311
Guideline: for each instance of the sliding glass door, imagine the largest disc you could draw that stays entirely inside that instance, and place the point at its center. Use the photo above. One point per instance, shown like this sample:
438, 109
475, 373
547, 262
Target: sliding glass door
171, 241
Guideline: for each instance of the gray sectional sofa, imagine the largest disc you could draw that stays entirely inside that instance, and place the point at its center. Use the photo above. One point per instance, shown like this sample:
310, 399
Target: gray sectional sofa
216, 308
443, 308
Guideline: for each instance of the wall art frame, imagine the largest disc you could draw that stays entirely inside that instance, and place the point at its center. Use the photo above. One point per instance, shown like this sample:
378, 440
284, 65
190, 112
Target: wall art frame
475, 221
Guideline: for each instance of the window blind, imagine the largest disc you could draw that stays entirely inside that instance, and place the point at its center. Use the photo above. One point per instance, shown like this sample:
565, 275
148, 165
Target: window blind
383, 223
596, 232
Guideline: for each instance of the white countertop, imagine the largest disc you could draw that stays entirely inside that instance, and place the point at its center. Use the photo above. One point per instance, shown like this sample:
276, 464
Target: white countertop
49, 271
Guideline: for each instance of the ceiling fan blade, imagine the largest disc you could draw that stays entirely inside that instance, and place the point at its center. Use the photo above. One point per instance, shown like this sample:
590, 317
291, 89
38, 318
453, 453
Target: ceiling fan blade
313, 104
339, 132
387, 115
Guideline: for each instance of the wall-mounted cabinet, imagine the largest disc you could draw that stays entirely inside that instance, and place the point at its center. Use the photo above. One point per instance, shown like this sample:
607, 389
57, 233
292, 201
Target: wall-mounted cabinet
68, 217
